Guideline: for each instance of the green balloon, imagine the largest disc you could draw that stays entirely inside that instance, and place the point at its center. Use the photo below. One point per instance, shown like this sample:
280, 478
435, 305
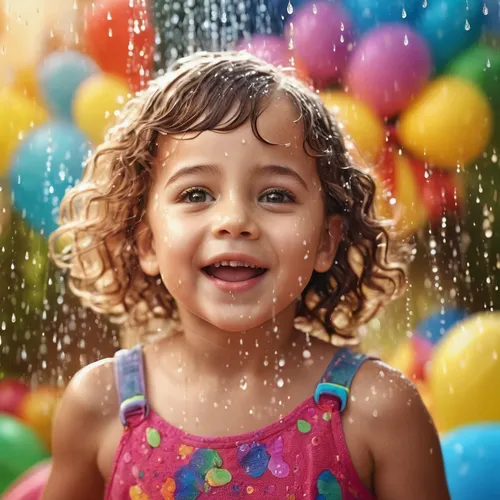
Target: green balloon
480, 65
20, 449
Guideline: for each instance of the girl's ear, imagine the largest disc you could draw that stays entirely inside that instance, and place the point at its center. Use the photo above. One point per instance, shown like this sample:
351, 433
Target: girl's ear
330, 239
146, 248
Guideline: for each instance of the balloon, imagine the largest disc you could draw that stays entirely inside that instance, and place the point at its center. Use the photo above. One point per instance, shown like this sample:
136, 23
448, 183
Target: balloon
450, 26
60, 74
480, 65
12, 393
472, 458
274, 49
20, 449
368, 14
358, 122
443, 192
120, 38
492, 11
465, 372
31, 484
437, 325
449, 123
398, 194
97, 102
412, 358
37, 410
388, 68
49, 161
19, 114
322, 36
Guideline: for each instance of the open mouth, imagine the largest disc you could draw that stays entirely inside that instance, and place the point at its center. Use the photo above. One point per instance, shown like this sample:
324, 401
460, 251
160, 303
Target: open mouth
233, 271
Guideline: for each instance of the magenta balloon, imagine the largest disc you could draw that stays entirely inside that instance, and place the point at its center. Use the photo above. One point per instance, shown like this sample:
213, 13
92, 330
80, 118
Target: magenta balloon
12, 393
322, 37
270, 48
31, 484
389, 66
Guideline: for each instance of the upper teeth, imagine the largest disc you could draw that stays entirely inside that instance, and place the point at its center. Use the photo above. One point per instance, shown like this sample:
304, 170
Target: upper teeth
233, 263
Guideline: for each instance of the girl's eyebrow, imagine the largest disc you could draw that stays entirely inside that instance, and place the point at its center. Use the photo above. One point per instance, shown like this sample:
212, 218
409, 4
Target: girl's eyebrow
193, 169
285, 172
280, 170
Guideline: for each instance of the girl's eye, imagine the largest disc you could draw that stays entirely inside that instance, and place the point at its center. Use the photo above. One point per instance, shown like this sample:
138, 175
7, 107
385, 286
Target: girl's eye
196, 195
277, 196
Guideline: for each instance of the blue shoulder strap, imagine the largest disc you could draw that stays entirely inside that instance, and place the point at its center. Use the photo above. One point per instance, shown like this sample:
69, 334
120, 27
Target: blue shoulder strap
130, 382
338, 377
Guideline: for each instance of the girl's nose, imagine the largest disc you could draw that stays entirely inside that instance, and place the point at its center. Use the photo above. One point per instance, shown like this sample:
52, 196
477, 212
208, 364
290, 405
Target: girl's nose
236, 221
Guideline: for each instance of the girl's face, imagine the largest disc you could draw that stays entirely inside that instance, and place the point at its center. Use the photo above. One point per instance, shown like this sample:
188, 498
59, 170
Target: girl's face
237, 226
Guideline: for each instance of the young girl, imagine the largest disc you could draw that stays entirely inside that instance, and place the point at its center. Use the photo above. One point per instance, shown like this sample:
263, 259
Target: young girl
225, 204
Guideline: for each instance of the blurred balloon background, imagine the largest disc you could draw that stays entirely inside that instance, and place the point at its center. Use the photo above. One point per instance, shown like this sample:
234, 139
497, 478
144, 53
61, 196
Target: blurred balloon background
415, 87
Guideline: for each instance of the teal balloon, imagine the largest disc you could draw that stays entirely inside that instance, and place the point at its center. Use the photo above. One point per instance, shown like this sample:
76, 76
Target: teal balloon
481, 66
59, 76
47, 163
472, 461
367, 14
20, 449
450, 26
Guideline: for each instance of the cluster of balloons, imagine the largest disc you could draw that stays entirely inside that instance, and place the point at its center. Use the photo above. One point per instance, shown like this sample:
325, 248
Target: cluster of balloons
46, 135
25, 428
412, 84
453, 359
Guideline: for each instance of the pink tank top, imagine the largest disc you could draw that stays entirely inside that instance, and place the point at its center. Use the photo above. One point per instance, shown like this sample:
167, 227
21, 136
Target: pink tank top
302, 456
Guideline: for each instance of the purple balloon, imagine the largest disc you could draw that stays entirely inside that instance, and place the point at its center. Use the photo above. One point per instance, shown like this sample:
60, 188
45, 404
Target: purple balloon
270, 48
322, 37
389, 67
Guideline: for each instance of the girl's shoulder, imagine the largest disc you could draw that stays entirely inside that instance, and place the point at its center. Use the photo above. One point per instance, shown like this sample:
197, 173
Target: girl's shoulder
90, 399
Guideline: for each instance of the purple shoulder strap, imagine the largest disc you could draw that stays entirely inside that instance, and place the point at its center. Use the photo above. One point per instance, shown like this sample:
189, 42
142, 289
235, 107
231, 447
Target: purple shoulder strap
130, 382
339, 375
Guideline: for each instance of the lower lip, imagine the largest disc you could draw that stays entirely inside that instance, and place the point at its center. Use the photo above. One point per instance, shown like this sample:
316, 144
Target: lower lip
235, 286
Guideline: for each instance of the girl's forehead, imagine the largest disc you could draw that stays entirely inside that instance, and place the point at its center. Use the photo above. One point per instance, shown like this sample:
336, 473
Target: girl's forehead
279, 122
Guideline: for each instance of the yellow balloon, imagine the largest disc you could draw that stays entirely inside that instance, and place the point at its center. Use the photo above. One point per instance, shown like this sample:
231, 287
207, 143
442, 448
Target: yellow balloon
358, 122
19, 114
98, 102
465, 373
449, 123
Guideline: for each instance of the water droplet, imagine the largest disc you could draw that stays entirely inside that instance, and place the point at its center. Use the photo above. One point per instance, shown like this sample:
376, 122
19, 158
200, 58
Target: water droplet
289, 8
467, 25
243, 383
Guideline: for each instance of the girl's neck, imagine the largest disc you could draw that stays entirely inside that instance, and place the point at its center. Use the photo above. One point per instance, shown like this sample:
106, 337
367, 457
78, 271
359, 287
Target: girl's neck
204, 349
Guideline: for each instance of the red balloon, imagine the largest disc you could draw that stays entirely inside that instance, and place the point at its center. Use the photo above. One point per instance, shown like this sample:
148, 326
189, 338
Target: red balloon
120, 38
31, 484
442, 191
12, 393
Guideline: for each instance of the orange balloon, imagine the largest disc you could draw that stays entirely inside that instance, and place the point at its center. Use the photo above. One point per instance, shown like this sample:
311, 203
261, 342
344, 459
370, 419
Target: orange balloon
119, 37
37, 410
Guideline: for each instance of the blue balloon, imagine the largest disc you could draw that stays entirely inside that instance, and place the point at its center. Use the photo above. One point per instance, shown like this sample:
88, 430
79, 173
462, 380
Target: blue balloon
472, 461
491, 11
48, 161
450, 26
59, 76
367, 14
435, 326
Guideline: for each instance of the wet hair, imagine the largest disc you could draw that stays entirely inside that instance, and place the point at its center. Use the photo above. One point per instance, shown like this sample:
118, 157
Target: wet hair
219, 92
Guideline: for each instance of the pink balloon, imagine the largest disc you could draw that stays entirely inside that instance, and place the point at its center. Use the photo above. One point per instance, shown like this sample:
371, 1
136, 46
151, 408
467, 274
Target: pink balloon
31, 484
12, 393
270, 48
322, 36
389, 67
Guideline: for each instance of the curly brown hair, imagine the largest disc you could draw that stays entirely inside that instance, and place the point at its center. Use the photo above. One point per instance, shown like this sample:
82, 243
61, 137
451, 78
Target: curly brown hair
100, 215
